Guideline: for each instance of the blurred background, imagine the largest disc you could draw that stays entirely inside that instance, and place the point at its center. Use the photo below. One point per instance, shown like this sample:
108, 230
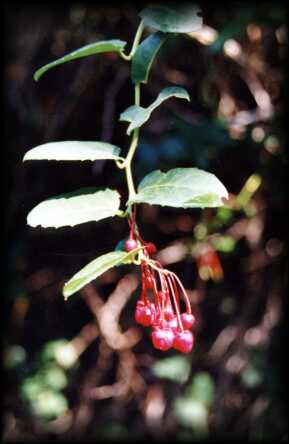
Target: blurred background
83, 368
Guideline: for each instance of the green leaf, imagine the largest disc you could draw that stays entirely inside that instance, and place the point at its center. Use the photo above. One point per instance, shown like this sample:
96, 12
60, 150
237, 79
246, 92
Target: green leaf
225, 244
54, 377
88, 50
73, 150
137, 115
181, 187
94, 269
173, 17
75, 208
175, 368
49, 404
51, 349
202, 389
144, 57
192, 413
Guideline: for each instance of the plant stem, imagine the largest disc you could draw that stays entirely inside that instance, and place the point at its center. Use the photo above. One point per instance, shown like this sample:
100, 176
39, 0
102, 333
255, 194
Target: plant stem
135, 136
135, 44
137, 94
131, 151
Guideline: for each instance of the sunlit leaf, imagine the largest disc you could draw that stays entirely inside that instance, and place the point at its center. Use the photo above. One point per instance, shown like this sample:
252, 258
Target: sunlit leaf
73, 150
144, 57
225, 244
31, 387
54, 377
88, 50
137, 115
181, 187
67, 355
94, 269
202, 389
50, 349
49, 404
191, 413
175, 368
75, 208
173, 17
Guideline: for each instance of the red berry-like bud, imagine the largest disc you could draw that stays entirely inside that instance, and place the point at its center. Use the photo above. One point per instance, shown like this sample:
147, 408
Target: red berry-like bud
151, 248
172, 323
183, 341
169, 312
158, 321
130, 244
162, 338
188, 320
144, 316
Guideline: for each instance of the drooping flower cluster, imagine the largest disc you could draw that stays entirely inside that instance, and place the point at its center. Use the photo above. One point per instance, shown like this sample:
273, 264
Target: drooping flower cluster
159, 305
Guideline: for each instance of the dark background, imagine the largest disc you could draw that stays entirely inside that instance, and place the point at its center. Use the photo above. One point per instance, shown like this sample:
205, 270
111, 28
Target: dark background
234, 383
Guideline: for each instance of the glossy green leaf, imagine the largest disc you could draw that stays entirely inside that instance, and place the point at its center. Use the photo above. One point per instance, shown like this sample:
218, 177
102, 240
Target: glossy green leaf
75, 208
144, 57
137, 115
181, 187
173, 17
88, 50
73, 150
94, 269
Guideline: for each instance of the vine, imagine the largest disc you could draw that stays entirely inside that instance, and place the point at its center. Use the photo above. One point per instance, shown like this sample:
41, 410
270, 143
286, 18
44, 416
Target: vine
159, 305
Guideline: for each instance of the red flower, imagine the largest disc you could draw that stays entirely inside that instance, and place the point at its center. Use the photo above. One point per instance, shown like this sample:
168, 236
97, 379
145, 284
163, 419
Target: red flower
159, 305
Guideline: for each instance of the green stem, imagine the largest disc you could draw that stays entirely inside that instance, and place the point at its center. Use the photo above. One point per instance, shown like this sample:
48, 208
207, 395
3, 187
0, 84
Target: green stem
131, 151
135, 42
126, 164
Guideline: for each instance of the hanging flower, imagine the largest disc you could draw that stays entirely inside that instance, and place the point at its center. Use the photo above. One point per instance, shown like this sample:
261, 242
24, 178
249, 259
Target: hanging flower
158, 306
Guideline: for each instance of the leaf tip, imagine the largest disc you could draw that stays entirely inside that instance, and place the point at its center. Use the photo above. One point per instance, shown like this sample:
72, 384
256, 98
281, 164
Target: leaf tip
65, 291
36, 76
